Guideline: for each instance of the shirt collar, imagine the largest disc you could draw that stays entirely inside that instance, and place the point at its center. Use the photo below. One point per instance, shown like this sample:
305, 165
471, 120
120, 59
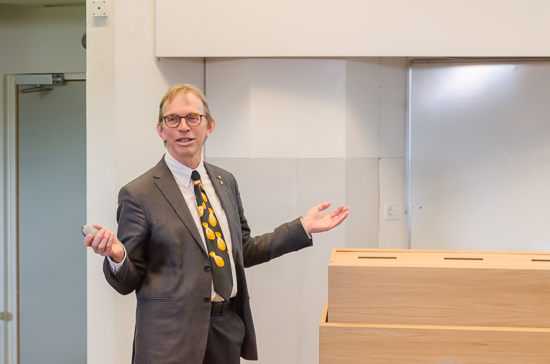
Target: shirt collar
181, 171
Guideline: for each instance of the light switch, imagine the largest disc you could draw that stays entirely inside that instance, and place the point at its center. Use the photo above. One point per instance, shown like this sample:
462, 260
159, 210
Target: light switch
393, 211
99, 8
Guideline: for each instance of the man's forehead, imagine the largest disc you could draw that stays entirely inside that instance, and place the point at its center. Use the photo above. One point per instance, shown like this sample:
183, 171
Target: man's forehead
186, 98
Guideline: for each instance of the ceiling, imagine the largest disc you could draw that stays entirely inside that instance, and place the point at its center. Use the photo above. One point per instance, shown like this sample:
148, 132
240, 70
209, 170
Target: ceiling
43, 2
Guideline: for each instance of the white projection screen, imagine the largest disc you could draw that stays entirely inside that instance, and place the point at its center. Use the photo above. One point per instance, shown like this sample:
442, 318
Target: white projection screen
479, 155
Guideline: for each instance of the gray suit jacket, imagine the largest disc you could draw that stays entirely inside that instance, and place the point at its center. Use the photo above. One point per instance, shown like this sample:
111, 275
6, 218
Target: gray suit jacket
166, 264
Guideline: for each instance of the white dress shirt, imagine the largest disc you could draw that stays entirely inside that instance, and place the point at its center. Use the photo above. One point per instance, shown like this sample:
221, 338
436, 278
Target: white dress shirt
182, 175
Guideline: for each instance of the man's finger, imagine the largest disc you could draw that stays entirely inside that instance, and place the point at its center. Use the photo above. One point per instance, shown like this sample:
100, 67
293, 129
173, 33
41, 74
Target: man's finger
100, 235
105, 242
109, 248
88, 240
337, 211
98, 241
338, 220
323, 206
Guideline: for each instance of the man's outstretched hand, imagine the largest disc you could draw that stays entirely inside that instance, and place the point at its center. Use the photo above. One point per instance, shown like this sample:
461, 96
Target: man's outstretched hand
105, 243
316, 222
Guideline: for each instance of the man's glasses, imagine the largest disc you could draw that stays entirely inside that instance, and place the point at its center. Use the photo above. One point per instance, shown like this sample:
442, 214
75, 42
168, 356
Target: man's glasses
172, 121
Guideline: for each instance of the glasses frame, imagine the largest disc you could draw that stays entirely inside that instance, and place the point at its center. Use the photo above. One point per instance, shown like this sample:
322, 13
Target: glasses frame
186, 120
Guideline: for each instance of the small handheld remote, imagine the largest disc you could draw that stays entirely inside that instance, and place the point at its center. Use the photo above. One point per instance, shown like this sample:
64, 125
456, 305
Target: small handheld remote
86, 229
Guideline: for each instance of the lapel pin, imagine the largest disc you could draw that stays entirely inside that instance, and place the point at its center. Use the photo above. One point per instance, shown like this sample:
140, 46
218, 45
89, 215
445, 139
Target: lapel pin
221, 182
220, 177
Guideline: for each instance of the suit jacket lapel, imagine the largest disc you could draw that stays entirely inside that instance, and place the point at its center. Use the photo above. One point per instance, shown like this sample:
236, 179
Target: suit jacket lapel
167, 184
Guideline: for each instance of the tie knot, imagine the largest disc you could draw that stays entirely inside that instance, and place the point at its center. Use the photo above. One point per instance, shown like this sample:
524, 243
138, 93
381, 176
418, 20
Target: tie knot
195, 176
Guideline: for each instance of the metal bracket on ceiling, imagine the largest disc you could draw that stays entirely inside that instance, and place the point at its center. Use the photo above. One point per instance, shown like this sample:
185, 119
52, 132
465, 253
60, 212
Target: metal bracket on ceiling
38, 88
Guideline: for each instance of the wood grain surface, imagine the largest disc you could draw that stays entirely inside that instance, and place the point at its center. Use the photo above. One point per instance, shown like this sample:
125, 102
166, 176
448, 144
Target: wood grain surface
411, 287
424, 344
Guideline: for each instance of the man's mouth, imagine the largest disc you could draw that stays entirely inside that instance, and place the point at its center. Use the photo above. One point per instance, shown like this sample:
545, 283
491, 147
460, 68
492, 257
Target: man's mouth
184, 140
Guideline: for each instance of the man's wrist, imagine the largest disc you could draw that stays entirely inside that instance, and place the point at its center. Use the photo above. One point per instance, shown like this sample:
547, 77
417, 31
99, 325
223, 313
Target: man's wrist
302, 221
118, 259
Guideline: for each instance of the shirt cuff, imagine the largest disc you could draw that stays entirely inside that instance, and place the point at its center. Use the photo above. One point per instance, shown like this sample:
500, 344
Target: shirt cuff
115, 267
302, 221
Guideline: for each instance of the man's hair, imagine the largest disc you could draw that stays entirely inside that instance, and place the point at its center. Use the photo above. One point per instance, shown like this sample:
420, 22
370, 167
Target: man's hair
184, 90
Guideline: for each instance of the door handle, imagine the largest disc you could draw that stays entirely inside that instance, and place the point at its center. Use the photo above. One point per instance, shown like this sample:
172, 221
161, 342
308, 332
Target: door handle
6, 316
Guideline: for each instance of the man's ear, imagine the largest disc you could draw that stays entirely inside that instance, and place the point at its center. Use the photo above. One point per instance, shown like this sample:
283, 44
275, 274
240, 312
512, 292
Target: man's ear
211, 128
161, 131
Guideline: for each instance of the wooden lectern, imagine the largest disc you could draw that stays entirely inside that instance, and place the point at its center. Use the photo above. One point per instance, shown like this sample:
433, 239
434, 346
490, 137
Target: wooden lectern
428, 306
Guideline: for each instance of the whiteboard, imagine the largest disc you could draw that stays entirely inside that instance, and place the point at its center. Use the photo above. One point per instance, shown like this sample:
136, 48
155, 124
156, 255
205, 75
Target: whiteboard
479, 154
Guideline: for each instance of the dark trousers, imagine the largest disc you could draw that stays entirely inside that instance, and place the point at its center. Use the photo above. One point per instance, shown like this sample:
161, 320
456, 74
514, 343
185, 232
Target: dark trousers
225, 338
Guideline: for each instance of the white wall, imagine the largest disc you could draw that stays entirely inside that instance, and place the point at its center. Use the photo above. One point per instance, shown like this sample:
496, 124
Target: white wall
308, 131
357, 151
125, 85
363, 138
359, 28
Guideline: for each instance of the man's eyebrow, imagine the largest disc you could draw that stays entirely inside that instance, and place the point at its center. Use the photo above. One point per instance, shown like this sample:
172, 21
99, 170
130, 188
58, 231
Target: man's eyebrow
194, 113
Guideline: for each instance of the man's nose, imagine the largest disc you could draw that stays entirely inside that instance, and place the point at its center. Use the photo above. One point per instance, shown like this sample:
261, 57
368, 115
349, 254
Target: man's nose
183, 125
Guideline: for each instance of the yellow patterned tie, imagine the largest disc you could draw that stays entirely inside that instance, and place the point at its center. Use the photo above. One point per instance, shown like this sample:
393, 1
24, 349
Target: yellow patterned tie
215, 242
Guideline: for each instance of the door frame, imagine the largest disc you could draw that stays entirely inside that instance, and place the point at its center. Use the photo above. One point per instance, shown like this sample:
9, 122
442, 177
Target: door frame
11, 238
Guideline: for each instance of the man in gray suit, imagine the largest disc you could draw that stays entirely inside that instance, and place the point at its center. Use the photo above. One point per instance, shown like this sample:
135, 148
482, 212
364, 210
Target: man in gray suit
161, 251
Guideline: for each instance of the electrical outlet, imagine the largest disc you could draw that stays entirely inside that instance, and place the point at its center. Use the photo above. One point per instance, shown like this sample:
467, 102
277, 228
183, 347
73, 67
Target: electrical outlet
99, 8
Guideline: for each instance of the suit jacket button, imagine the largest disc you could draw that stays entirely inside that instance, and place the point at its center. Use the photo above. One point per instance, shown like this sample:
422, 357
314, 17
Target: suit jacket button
207, 268
206, 299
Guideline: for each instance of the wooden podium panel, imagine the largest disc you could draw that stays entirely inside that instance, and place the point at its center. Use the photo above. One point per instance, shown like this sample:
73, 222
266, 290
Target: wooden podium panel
452, 288
423, 344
